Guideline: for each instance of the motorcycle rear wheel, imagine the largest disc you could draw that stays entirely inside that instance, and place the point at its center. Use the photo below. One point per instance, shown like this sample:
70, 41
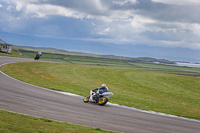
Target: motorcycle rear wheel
102, 101
86, 99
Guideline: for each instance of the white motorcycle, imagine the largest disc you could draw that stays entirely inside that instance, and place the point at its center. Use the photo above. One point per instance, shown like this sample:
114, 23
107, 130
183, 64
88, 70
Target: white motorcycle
98, 98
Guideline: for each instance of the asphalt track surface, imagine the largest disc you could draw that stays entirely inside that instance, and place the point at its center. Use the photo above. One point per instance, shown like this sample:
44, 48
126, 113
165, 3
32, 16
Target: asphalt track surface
31, 100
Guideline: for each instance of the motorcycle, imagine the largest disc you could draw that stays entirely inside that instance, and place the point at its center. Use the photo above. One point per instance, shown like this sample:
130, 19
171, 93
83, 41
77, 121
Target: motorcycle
37, 57
96, 97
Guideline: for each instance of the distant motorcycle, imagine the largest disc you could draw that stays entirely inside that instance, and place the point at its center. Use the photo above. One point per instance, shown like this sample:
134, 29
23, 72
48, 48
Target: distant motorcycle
98, 98
38, 56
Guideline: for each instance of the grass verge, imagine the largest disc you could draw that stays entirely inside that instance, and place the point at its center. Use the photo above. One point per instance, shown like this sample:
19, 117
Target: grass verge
18, 123
14, 54
156, 91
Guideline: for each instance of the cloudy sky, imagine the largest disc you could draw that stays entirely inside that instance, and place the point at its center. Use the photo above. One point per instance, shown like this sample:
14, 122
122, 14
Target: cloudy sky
167, 29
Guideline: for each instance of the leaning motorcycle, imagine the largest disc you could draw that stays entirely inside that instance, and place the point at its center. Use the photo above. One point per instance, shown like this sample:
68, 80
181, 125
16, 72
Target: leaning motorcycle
98, 98
37, 57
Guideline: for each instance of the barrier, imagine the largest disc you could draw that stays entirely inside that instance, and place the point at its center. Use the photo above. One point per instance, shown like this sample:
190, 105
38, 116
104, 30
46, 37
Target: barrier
4, 47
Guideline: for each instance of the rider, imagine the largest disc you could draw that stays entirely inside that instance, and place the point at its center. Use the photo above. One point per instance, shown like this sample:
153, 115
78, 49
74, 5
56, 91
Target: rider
102, 89
39, 54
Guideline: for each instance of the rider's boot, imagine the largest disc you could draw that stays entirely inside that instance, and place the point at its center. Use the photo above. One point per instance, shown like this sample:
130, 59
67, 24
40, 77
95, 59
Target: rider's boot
91, 98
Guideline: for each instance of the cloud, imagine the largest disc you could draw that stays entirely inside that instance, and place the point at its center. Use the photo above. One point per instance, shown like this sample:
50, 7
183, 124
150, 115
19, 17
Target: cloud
105, 31
44, 8
179, 2
86, 7
9, 8
171, 23
48, 10
1, 5
19, 6
121, 3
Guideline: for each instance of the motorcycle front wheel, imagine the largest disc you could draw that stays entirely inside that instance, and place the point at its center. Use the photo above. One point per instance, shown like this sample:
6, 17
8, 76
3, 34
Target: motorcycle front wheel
86, 99
102, 101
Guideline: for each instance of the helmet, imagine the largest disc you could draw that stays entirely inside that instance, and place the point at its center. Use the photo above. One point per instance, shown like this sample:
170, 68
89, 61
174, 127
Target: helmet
103, 85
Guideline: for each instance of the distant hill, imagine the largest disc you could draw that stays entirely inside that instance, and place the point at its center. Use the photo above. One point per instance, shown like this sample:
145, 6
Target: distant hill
65, 52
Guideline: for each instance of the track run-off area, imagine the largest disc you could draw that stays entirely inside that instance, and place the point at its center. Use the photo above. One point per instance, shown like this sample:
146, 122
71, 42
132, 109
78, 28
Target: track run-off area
20, 97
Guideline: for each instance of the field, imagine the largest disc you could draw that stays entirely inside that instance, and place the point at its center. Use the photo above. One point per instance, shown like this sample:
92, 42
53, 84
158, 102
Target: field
150, 87
88, 60
163, 88
18, 123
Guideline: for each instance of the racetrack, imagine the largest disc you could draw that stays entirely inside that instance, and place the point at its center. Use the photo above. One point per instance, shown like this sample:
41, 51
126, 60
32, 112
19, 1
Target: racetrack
23, 98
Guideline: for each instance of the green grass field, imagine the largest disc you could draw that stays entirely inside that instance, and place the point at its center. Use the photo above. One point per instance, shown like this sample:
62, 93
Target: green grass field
162, 88
170, 69
18, 123
150, 90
